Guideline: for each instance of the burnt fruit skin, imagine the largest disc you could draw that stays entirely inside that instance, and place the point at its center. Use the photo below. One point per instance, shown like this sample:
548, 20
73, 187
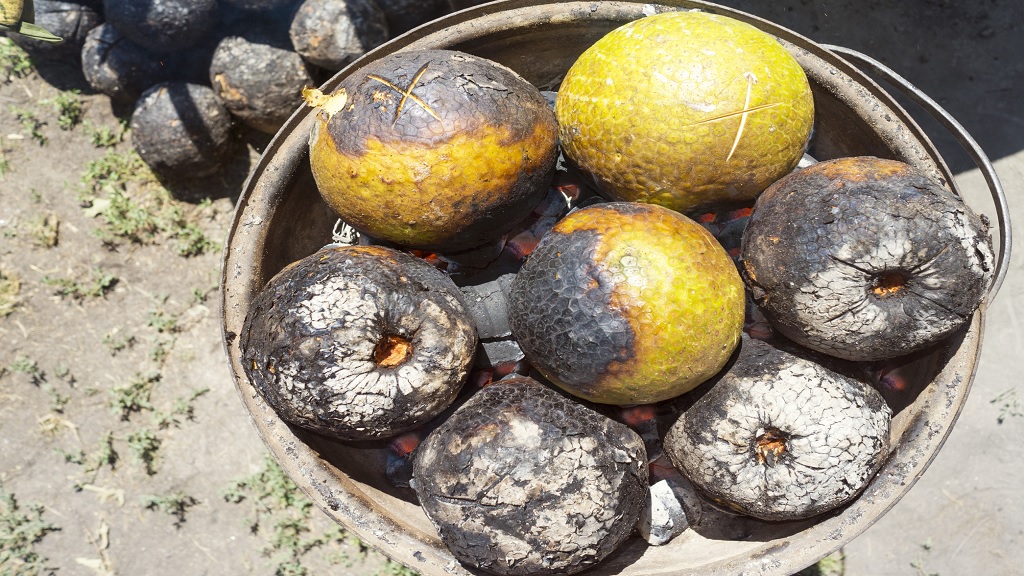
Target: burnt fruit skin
259, 78
865, 259
627, 303
523, 480
781, 435
358, 343
181, 130
435, 149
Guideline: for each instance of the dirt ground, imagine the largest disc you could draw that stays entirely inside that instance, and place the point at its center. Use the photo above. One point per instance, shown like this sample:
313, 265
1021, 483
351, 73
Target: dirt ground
124, 448
117, 413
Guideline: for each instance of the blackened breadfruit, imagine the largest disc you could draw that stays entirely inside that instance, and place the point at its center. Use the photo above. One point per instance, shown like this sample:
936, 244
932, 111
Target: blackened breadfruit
181, 130
358, 342
260, 82
332, 33
117, 67
404, 15
71, 21
522, 480
865, 259
162, 25
780, 435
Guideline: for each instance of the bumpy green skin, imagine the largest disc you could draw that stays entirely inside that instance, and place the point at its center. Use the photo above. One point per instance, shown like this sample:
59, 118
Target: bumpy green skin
627, 303
865, 258
522, 480
435, 149
685, 109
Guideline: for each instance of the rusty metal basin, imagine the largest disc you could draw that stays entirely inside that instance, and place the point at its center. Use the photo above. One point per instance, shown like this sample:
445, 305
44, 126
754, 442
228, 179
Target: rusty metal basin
280, 218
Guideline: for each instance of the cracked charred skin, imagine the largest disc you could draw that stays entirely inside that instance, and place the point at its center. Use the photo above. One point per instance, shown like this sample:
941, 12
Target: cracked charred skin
458, 149
782, 434
358, 342
864, 258
524, 480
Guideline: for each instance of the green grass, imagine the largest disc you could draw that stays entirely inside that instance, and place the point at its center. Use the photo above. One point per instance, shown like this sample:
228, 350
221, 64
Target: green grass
133, 397
1009, 405
30, 124
183, 410
14, 62
21, 528
69, 107
146, 215
98, 285
115, 342
175, 505
145, 444
282, 514
106, 136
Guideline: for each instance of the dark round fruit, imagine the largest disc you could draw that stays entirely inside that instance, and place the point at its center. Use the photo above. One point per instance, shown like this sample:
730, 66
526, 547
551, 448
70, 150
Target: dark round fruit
71, 21
434, 149
117, 67
162, 25
781, 435
865, 258
332, 33
260, 83
181, 130
358, 342
522, 480
627, 303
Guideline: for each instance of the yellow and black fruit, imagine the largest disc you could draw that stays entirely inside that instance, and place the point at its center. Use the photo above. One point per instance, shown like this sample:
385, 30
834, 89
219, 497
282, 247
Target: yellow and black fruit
627, 303
433, 149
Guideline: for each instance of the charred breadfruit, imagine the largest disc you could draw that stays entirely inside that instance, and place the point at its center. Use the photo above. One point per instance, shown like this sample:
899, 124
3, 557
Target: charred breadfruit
523, 480
181, 130
117, 67
260, 82
332, 33
358, 342
71, 21
865, 259
433, 149
162, 25
780, 435
627, 303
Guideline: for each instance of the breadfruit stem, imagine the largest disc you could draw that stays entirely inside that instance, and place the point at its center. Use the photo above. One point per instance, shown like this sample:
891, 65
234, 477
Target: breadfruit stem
392, 351
770, 446
889, 284
329, 104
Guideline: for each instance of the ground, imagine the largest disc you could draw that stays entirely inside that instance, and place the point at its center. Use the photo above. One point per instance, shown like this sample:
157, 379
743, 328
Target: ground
124, 448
